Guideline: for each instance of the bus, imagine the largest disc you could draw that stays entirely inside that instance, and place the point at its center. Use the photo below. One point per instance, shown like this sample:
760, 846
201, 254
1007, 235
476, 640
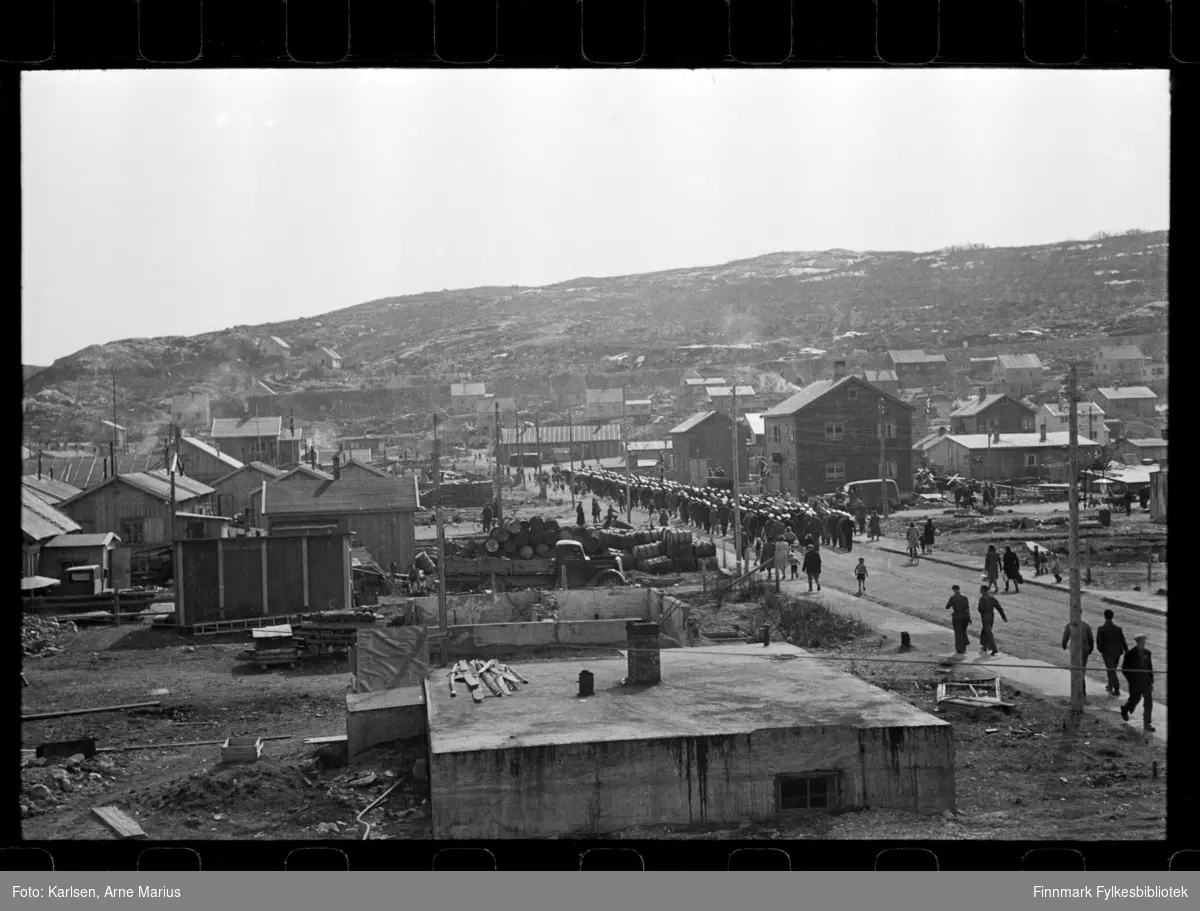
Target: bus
869, 492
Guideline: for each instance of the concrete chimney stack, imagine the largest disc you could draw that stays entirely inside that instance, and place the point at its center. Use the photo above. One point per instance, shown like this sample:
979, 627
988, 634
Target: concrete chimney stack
982, 393
839, 369
643, 653
1043, 431
996, 436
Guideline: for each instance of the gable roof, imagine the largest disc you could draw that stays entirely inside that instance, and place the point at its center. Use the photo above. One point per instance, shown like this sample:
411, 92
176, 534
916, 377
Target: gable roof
307, 471
329, 352
379, 473
1081, 408
41, 521
1060, 439
814, 391
723, 392
154, 483
278, 341
756, 423
50, 491
238, 428
978, 406
1148, 443
694, 421
182, 483
87, 471
1120, 352
345, 496
915, 356
1127, 392
880, 376
210, 450
262, 468
1019, 361
103, 539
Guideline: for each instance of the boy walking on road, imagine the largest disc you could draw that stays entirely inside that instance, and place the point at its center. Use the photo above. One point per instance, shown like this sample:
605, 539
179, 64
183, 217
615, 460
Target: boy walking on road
988, 608
860, 573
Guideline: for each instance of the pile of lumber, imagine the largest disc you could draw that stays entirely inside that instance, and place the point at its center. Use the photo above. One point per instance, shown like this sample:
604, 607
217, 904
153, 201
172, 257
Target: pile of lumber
500, 679
275, 645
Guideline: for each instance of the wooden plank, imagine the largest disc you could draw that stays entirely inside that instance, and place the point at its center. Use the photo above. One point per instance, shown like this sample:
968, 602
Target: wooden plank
188, 743
104, 708
122, 825
336, 738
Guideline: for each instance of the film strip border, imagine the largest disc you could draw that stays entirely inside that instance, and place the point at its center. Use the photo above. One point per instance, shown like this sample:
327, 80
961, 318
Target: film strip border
664, 856
653, 33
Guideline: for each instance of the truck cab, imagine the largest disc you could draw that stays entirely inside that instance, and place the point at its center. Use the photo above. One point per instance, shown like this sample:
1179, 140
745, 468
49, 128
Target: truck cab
582, 571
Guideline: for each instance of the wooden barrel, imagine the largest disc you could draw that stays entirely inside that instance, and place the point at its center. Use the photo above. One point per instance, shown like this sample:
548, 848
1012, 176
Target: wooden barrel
645, 552
542, 550
705, 549
513, 526
550, 538
424, 563
536, 525
509, 547
591, 545
578, 532
686, 564
524, 527
492, 545
535, 537
521, 539
680, 536
526, 552
469, 548
552, 525
502, 535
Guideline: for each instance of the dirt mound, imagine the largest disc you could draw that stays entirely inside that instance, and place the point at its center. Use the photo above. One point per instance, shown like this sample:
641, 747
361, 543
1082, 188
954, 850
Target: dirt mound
264, 784
45, 636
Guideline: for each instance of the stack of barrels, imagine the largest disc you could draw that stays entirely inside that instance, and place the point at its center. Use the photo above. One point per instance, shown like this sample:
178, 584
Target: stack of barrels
522, 539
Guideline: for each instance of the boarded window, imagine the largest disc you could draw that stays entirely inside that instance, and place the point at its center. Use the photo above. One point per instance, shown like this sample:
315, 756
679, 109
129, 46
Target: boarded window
132, 531
813, 791
835, 471
852, 394
1031, 459
835, 430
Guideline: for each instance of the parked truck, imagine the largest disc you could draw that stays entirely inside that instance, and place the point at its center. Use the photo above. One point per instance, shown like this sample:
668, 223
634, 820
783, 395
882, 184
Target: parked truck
569, 562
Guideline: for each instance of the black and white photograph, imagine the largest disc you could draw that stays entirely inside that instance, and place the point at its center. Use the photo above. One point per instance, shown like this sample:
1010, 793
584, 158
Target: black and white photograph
577, 454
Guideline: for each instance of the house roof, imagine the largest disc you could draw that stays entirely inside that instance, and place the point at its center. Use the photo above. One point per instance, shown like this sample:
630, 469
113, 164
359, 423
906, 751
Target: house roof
977, 405
693, 422
706, 381
1148, 443
1120, 352
210, 450
561, 433
286, 436
345, 496
241, 428
928, 440
470, 389
756, 423
1019, 361
604, 396
329, 352
265, 388
370, 468
1127, 392
96, 540
639, 402
1082, 408
880, 376
87, 471
183, 483
814, 391
309, 472
155, 485
278, 341
721, 392
105, 423
1059, 439
262, 468
650, 445
40, 520
915, 356
50, 491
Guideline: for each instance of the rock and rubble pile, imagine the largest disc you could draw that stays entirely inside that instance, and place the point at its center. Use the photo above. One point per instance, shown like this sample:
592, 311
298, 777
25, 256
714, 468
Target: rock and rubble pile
46, 782
45, 636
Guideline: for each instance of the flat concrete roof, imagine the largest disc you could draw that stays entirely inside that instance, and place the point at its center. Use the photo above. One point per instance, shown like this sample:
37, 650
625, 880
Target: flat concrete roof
723, 690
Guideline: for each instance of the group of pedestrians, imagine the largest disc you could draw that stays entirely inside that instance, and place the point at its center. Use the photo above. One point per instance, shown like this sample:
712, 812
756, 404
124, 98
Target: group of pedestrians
960, 618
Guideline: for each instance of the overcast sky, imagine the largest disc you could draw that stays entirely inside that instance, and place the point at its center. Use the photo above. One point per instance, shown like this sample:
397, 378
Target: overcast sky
178, 202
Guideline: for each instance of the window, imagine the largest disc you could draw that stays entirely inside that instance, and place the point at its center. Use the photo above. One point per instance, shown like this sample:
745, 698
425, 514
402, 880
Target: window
791, 434
132, 531
893, 468
776, 432
1031, 460
835, 430
852, 394
835, 471
889, 429
815, 791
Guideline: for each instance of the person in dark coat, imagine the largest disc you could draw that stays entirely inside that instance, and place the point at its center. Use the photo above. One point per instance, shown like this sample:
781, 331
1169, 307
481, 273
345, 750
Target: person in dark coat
579, 519
1129, 502
812, 567
860, 513
1085, 633
487, 518
960, 618
988, 608
1110, 642
814, 530
1012, 569
1139, 675
848, 534
927, 536
873, 527
991, 567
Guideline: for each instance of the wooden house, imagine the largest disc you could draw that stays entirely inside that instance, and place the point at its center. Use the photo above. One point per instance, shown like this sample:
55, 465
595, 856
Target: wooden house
1120, 363
701, 445
1137, 451
106, 433
1090, 420
70, 550
300, 474
883, 379
722, 398
40, 522
1127, 402
274, 346
193, 411
234, 489
353, 468
1006, 456
249, 439
604, 403
988, 413
1017, 374
203, 461
52, 492
914, 368
828, 434
379, 512
639, 408
137, 507
585, 441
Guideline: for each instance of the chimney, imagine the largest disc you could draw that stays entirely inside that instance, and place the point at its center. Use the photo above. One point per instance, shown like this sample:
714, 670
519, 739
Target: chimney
839, 369
1043, 431
246, 407
106, 469
644, 666
982, 393
39, 465
337, 468
996, 436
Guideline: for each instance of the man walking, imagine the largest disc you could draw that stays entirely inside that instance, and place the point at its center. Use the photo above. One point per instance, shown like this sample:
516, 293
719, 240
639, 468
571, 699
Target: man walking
873, 526
595, 511
1085, 633
960, 618
1012, 570
1110, 642
988, 608
914, 541
1139, 675
812, 567
861, 514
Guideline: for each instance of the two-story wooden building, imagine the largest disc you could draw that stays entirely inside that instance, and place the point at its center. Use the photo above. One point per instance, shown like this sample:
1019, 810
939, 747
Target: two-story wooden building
1141, 450
604, 403
1118, 364
988, 413
885, 380
829, 434
203, 461
193, 411
701, 445
1127, 402
914, 368
137, 507
1018, 375
249, 439
1008, 456
1089, 421
721, 398
379, 512
234, 490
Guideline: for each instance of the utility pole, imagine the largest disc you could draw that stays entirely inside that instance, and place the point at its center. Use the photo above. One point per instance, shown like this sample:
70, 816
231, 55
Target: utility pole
499, 494
571, 451
113, 453
437, 462
1078, 683
737, 500
883, 490
171, 475
537, 455
628, 466
441, 568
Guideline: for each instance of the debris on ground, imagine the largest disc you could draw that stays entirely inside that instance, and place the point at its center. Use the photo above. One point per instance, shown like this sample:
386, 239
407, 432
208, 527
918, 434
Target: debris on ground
43, 636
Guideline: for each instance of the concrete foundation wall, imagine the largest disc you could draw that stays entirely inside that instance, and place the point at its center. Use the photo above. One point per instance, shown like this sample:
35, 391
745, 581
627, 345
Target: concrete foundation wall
596, 788
492, 639
510, 607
